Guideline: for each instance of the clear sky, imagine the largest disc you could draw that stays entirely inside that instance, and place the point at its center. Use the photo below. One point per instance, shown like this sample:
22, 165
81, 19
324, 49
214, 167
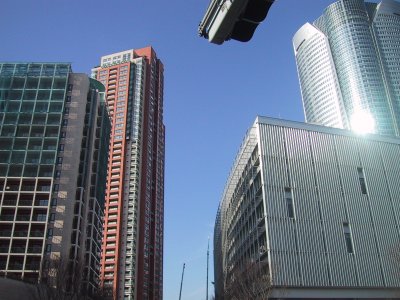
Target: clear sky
212, 94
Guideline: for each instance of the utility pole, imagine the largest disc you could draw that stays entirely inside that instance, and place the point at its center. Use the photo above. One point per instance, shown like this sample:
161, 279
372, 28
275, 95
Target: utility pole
208, 254
183, 271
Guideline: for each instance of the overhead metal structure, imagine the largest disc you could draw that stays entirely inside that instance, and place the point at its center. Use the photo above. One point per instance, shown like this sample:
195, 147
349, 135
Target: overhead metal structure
233, 19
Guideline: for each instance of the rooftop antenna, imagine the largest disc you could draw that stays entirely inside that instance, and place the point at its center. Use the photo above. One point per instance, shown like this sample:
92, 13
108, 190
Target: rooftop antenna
183, 272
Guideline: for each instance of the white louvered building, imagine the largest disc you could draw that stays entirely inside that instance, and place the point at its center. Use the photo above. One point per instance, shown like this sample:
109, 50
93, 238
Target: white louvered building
319, 206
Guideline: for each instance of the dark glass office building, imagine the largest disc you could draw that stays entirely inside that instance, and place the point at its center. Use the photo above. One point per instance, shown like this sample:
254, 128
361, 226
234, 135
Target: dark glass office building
54, 135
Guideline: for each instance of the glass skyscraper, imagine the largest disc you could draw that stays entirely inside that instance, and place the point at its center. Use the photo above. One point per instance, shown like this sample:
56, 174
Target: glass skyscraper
348, 64
54, 136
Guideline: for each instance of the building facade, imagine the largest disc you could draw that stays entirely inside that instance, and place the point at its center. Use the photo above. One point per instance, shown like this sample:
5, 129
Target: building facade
132, 250
316, 209
53, 152
348, 66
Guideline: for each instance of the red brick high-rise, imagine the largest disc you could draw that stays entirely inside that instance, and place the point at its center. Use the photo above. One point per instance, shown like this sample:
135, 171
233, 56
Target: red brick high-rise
132, 249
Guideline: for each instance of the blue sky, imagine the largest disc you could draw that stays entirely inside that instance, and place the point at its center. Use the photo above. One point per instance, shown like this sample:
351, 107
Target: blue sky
212, 94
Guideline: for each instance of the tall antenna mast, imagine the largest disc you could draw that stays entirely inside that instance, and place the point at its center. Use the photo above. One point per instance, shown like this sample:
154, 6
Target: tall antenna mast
183, 272
208, 254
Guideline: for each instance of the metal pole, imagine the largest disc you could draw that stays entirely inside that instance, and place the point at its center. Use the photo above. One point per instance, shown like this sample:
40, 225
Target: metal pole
208, 253
183, 271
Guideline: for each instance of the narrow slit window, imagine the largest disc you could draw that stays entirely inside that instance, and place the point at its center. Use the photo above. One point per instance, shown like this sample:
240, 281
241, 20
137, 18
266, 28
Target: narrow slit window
289, 202
361, 177
347, 237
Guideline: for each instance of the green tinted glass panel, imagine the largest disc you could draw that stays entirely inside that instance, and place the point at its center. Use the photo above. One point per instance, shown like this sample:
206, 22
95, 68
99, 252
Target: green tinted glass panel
32, 157
31, 171
25, 119
41, 106
48, 70
5, 82
15, 170
27, 107
17, 157
8, 130
43, 95
57, 95
20, 144
13, 106
60, 83
10, 118
37, 131
4, 156
29, 95
35, 144
56, 106
39, 118
18, 83
23, 130
32, 83
54, 119
45, 83
15, 95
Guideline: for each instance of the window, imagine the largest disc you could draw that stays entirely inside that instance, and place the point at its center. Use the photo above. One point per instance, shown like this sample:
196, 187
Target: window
48, 248
70, 87
53, 202
347, 237
59, 160
49, 232
68, 99
61, 147
52, 217
289, 202
362, 180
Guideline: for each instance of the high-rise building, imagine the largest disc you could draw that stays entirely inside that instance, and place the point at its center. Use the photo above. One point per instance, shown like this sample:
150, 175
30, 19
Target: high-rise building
132, 250
309, 212
53, 155
348, 66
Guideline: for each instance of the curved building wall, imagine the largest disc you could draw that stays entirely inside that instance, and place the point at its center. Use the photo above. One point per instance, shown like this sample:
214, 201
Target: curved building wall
363, 39
386, 28
319, 84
